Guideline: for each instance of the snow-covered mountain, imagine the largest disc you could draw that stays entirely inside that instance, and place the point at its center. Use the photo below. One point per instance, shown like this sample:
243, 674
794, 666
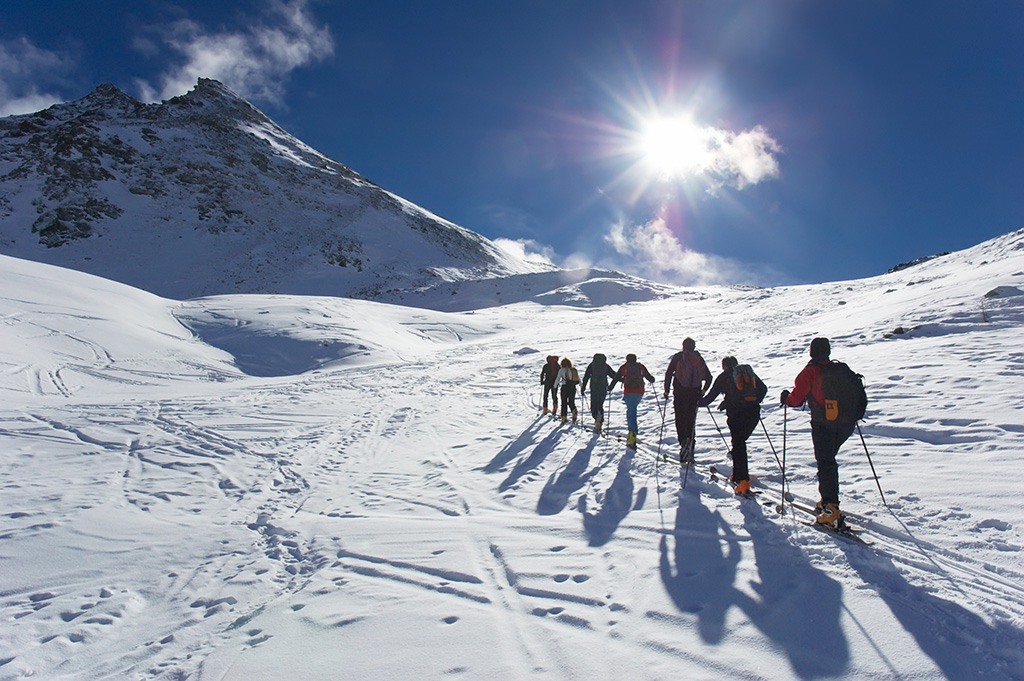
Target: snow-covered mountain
203, 194
279, 487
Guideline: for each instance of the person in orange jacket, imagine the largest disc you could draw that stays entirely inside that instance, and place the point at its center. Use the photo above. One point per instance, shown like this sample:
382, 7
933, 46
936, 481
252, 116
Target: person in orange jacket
632, 375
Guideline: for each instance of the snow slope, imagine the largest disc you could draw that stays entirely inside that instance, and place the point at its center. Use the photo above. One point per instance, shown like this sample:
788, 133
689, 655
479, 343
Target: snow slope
271, 487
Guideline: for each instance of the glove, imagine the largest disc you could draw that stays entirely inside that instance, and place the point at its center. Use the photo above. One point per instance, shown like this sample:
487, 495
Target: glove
783, 397
666, 395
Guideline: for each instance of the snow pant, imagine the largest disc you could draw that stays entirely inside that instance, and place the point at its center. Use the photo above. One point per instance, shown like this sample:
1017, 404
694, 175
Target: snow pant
549, 389
568, 398
685, 404
632, 401
827, 439
597, 398
742, 423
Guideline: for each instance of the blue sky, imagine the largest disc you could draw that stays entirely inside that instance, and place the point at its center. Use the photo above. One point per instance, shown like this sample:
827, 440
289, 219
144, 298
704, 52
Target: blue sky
719, 141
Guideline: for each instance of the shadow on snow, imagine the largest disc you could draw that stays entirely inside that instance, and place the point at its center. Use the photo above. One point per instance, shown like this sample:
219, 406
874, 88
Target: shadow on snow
617, 503
960, 642
797, 606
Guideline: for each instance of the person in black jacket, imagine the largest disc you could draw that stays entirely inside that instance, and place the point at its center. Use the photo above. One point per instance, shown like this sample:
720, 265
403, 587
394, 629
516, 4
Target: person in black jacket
689, 377
597, 374
548, 374
743, 392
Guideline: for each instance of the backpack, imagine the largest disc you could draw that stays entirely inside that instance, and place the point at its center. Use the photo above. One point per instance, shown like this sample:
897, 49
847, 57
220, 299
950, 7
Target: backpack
633, 376
845, 397
744, 385
574, 377
687, 371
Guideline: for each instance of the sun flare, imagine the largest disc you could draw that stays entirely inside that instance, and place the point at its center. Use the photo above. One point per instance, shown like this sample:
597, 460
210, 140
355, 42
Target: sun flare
673, 147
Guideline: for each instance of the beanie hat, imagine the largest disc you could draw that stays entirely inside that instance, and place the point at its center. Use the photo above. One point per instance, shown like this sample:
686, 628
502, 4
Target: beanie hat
689, 344
820, 348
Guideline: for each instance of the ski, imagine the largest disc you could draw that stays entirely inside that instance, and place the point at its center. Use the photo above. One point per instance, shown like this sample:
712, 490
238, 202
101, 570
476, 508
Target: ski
814, 512
848, 532
715, 473
676, 462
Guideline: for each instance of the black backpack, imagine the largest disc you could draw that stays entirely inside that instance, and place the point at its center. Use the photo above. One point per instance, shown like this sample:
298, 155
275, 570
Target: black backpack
845, 397
743, 386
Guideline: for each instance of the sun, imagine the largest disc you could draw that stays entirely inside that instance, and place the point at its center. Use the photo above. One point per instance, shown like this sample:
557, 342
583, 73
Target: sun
673, 147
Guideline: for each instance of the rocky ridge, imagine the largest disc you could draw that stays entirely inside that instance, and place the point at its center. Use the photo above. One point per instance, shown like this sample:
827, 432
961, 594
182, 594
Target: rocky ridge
204, 194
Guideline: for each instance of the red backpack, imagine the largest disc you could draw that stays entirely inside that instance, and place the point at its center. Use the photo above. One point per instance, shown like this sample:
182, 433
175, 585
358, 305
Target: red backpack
688, 372
633, 376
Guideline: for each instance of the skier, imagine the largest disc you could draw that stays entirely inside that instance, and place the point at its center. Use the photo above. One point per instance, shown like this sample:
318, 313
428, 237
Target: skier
743, 392
632, 375
690, 378
827, 432
597, 374
567, 379
548, 374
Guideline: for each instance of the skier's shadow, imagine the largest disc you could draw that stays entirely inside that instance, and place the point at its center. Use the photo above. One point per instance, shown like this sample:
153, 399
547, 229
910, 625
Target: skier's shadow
945, 631
617, 503
509, 451
560, 486
702, 583
527, 464
797, 606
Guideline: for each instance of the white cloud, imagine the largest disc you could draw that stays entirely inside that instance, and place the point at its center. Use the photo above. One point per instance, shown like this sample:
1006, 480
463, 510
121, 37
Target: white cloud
676, 148
652, 251
527, 249
254, 61
745, 158
23, 70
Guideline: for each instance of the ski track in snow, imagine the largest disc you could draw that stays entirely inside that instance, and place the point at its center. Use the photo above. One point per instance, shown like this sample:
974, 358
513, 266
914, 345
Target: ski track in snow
419, 516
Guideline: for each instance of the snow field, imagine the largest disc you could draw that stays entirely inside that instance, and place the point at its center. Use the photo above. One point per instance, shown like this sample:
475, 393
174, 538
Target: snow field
342, 489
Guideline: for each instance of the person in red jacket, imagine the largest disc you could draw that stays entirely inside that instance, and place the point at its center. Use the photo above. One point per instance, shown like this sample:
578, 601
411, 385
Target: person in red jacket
826, 436
632, 375
690, 378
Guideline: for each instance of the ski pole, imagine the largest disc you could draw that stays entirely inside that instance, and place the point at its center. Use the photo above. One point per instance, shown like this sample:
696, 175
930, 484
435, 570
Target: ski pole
871, 463
770, 444
608, 410
715, 421
785, 417
661, 433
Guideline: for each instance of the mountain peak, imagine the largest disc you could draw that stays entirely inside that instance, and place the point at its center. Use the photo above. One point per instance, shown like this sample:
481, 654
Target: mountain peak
109, 97
211, 90
204, 194
211, 97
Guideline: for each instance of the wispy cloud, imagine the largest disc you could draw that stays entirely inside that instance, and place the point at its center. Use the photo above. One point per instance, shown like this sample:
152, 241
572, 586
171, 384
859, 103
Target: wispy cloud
677, 149
24, 68
744, 158
254, 61
652, 251
527, 249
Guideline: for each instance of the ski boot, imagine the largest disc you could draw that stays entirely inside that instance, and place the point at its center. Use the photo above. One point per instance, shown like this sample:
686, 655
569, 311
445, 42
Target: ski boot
829, 514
